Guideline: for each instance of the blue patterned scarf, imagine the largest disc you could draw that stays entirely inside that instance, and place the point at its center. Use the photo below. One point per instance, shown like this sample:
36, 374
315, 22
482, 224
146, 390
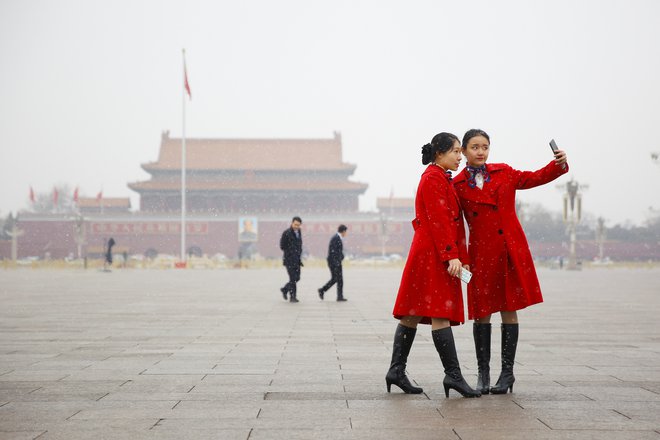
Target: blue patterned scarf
473, 171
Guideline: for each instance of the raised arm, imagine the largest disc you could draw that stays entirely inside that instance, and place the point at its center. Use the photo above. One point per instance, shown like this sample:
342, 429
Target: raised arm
531, 179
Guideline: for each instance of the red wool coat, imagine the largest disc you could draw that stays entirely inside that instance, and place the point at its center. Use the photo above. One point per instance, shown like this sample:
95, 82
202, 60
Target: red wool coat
503, 273
426, 288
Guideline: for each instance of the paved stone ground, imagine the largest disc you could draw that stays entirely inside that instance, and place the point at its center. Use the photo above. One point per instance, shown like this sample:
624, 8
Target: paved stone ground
218, 354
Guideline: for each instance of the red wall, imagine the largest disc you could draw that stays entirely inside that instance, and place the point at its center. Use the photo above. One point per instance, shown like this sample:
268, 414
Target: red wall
137, 235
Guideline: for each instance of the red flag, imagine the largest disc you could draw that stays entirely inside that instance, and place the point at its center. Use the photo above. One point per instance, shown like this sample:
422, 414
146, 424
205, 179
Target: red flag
185, 77
75, 195
99, 196
56, 196
31, 195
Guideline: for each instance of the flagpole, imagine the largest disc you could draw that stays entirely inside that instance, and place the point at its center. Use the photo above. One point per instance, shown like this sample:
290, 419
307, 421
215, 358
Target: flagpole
183, 162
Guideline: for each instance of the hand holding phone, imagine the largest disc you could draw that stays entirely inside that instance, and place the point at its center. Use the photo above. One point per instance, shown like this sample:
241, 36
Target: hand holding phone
466, 275
555, 150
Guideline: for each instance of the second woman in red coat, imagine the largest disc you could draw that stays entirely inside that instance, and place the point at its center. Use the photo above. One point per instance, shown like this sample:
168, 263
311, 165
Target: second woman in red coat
430, 290
504, 279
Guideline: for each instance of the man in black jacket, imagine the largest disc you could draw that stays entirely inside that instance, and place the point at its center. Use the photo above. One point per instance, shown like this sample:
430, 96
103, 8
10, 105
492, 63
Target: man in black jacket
107, 262
291, 244
335, 257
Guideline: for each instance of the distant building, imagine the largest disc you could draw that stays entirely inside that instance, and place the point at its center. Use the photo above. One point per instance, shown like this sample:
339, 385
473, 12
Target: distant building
99, 205
228, 181
251, 175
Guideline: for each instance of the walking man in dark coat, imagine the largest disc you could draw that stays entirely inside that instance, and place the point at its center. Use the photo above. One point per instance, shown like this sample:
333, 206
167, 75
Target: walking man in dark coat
335, 257
107, 262
291, 245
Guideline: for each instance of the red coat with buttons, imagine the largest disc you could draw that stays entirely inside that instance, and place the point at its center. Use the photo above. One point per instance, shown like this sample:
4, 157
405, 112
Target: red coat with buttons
503, 273
426, 289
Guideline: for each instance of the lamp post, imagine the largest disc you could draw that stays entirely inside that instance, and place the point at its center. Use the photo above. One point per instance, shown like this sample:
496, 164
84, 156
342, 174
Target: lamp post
79, 233
384, 233
600, 238
572, 216
14, 234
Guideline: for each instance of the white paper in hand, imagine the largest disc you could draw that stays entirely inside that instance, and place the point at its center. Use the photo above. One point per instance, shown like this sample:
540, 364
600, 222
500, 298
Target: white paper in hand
466, 275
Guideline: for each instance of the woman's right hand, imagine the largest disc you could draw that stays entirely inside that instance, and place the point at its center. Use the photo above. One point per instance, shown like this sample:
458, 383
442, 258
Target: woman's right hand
454, 268
560, 157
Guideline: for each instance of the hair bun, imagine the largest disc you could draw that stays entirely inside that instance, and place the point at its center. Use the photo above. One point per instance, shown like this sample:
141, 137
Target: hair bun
426, 154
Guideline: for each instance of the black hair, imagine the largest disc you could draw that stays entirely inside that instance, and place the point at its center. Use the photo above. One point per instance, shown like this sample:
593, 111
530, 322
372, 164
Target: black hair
441, 143
342, 228
296, 219
474, 133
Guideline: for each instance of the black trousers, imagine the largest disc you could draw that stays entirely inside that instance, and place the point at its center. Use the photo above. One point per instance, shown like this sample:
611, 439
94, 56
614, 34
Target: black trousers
294, 277
337, 277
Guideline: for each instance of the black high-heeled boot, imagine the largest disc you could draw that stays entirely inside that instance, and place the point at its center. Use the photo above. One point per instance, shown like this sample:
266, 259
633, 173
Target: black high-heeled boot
403, 339
444, 343
509, 345
481, 333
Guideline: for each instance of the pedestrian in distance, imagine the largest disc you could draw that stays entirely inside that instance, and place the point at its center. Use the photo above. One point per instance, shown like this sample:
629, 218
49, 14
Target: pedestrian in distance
335, 257
291, 245
504, 279
430, 289
107, 261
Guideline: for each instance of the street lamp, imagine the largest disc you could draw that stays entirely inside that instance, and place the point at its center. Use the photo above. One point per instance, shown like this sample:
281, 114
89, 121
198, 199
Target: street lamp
14, 234
384, 237
600, 238
79, 233
572, 216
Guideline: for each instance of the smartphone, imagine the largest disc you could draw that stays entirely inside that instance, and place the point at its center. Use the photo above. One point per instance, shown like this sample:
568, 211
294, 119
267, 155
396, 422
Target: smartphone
554, 146
466, 275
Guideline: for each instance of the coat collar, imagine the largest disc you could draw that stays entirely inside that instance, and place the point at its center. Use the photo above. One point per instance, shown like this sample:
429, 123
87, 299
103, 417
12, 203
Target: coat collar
436, 169
485, 195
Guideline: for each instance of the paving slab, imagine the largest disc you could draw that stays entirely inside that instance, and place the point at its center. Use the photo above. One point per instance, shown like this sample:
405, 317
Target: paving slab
20, 435
217, 354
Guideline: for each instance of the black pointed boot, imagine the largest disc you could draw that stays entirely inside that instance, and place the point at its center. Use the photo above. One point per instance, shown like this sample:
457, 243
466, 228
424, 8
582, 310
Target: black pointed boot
403, 339
509, 345
293, 297
481, 333
444, 343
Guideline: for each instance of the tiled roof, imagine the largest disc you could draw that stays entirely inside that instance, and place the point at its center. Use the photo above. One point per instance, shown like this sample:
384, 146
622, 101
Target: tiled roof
251, 154
242, 185
93, 202
395, 202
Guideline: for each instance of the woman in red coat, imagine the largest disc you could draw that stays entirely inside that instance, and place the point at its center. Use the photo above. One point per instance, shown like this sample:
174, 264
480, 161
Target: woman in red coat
430, 290
504, 279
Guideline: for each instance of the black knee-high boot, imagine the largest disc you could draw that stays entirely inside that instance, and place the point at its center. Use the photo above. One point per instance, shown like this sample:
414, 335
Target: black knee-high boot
482, 334
403, 339
509, 345
444, 343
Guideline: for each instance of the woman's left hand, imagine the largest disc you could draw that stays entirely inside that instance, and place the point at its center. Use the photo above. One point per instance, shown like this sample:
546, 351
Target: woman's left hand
454, 267
560, 157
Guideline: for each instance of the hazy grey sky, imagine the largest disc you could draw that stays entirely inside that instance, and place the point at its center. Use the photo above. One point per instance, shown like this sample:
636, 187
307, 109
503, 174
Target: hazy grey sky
87, 87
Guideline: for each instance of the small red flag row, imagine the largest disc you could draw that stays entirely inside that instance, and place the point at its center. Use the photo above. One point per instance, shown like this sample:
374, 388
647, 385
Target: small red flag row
56, 195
